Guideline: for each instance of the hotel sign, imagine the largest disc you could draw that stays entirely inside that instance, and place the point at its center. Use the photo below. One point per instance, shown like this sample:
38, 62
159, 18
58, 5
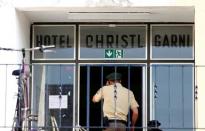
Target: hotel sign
94, 39
62, 36
172, 41
104, 41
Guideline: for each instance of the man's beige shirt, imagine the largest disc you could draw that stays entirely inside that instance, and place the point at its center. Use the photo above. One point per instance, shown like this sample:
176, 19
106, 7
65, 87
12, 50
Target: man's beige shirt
125, 100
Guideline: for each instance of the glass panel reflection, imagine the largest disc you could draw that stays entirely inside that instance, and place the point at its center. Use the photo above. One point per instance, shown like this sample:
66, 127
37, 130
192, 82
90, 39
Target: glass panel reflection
173, 101
61, 36
95, 39
53, 94
172, 41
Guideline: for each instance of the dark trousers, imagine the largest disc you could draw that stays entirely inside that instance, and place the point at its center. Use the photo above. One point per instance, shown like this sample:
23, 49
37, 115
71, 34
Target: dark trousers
116, 126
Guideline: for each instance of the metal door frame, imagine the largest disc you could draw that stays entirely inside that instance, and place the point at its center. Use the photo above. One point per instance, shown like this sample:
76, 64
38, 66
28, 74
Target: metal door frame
144, 90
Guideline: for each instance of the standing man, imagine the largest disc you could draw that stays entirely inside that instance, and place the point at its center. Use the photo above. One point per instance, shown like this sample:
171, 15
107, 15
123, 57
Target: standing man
117, 102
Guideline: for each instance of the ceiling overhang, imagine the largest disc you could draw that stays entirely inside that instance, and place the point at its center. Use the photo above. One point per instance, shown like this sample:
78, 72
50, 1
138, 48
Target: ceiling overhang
110, 14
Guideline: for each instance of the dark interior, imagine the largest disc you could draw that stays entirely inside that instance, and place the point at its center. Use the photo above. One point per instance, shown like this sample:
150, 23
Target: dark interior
92, 77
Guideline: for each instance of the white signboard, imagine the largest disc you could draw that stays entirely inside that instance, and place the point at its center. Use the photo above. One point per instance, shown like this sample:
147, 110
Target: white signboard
57, 102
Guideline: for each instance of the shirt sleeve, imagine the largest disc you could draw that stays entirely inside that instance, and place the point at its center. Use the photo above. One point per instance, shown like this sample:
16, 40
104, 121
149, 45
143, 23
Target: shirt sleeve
99, 95
133, 102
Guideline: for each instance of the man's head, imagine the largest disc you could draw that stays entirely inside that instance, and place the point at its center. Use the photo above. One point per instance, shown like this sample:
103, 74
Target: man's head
114, 77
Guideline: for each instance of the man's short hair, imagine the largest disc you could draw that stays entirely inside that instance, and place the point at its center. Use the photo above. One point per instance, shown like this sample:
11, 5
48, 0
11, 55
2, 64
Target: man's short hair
114, 76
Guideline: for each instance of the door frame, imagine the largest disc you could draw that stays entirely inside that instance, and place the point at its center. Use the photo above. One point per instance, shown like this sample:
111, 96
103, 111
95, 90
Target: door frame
145, 94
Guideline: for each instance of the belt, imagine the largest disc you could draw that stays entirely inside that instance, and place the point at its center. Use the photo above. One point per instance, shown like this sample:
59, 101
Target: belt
117, 121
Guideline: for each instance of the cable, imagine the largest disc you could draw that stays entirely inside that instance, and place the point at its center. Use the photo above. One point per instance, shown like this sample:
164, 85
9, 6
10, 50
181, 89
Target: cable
155, 92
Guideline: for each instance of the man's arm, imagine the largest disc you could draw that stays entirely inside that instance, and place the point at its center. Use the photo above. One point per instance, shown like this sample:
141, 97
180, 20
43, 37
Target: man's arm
134, 117
97, 97
94, 99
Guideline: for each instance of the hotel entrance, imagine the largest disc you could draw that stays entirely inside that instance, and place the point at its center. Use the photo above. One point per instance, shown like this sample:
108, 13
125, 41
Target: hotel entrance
92, 77
155, 60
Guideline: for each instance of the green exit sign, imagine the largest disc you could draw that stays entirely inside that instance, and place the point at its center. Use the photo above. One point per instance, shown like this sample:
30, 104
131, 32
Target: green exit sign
113, 53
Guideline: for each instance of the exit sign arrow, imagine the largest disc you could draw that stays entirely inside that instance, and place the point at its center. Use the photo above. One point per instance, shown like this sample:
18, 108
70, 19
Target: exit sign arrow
109, 53
113, 53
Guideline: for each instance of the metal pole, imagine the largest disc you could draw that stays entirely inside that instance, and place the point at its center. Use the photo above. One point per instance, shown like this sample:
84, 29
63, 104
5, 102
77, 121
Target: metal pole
88, 98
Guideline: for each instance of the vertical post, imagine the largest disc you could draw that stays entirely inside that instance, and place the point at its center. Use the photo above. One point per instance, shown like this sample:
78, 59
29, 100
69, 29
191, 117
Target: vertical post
5, 98
102, 76
182, 82
115, 97
88, 98
155, 93
169, 96
196, 96
60, 98
128, 76
46, 100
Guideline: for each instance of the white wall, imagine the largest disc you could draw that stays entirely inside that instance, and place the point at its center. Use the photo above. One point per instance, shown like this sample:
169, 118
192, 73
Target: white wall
14, 33
200, 60
94, 3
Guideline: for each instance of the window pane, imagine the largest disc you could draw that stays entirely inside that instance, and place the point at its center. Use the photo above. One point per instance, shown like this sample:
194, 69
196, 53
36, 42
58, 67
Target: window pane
130, 39
62, 36
172, 99
172, 41
53, 95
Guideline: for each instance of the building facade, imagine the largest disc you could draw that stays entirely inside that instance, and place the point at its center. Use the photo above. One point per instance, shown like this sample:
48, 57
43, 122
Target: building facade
157, 47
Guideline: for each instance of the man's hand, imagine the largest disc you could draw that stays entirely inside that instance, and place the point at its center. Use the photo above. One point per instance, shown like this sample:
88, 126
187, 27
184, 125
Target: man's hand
132, 129
98, 96
94, 101
134, 117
